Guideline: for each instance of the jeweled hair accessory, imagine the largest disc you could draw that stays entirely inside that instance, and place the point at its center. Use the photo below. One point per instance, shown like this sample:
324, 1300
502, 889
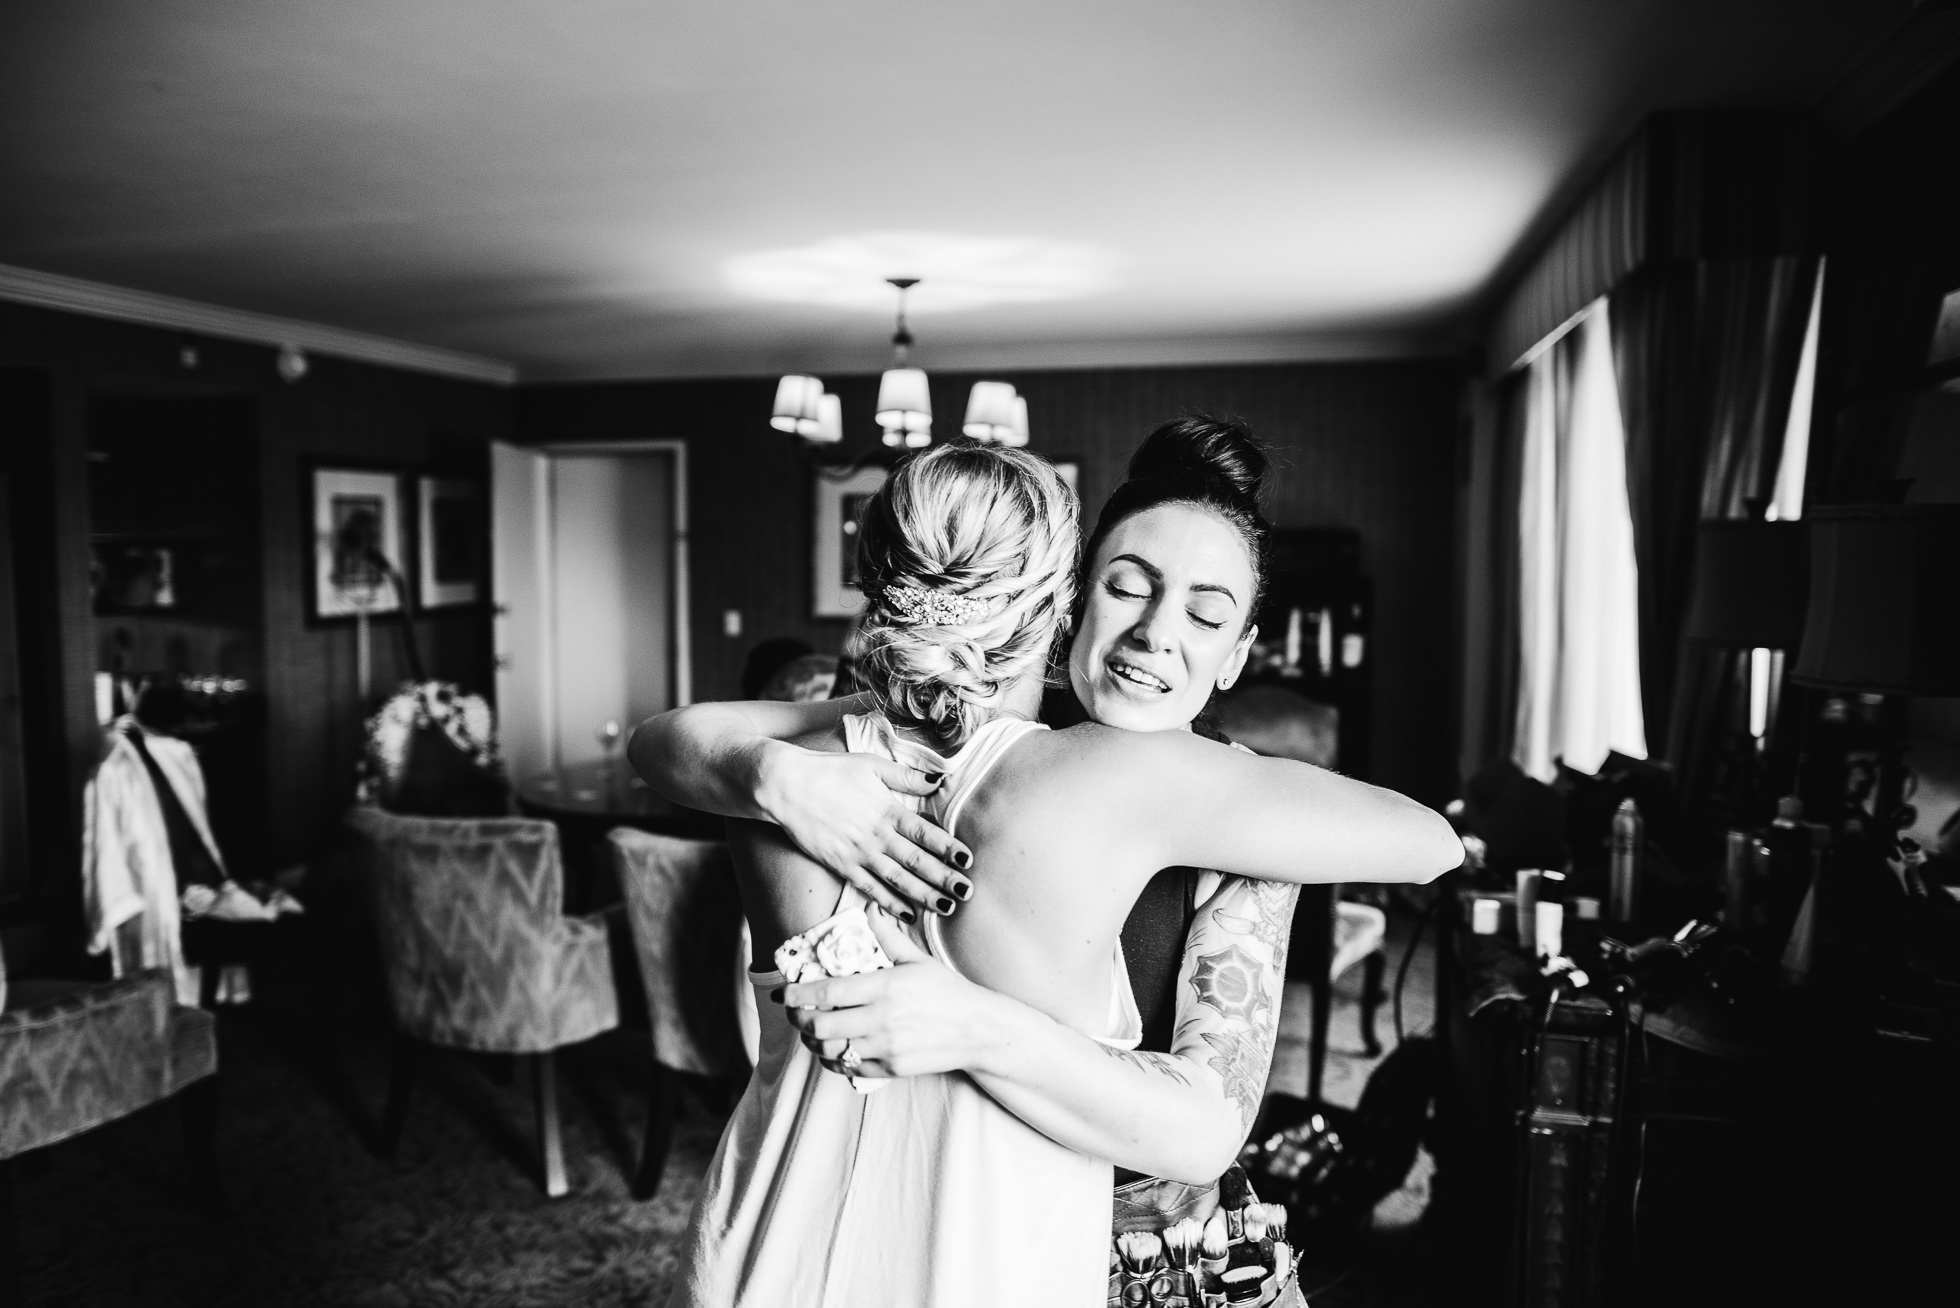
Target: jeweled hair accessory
934, 608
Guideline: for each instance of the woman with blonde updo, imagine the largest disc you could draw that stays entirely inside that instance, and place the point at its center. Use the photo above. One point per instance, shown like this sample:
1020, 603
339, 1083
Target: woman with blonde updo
955, 1188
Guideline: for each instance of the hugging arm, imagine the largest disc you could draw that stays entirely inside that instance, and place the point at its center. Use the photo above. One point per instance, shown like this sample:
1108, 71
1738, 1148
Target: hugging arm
1181, 1115
841, 809
1228, 995
1181, 800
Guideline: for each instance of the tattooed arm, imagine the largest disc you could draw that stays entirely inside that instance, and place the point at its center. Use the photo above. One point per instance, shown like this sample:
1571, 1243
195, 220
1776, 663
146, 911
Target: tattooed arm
1229, 987
1156, 1113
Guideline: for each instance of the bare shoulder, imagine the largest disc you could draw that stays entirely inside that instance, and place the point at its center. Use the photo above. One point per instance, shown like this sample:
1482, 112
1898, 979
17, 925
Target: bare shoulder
1112, 752
1093, 769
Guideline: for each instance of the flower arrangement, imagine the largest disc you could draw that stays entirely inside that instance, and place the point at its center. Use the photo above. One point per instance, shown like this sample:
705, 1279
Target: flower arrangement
419, 710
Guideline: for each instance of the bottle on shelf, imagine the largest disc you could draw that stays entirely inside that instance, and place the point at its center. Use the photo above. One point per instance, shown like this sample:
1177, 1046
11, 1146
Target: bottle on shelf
1791, 867
1629, 847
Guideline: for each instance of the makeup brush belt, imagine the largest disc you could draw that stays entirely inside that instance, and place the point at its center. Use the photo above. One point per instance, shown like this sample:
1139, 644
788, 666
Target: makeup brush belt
1177, 1245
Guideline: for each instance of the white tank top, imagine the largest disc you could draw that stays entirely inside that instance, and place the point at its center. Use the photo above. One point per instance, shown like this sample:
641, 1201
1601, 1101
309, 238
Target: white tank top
927, 1193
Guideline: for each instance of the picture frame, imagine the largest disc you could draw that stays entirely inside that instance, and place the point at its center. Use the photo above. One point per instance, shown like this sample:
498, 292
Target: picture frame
449, 542
354, 522
833, 551
128, 576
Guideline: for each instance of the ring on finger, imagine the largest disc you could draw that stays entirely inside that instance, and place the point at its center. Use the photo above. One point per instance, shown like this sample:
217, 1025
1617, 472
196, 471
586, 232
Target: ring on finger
849, 1060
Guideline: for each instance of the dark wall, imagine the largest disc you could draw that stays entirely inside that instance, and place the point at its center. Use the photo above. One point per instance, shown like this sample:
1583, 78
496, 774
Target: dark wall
1362, 445
54, 365
1893, 254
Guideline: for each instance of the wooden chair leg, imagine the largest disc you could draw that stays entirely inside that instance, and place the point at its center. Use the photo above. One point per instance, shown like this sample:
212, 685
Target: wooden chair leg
660, 1133
9, 1241
401, 1080
200, 1109
1318, 914
1373, 970
545, 1066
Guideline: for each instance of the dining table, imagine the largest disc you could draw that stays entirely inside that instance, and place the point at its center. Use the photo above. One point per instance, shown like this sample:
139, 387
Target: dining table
590, 797
608, 791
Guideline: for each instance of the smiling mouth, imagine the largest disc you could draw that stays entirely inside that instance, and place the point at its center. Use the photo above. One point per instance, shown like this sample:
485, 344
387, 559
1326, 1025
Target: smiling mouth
1138, 677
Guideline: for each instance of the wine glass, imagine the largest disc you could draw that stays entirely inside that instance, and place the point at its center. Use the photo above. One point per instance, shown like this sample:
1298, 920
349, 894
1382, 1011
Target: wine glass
608, 734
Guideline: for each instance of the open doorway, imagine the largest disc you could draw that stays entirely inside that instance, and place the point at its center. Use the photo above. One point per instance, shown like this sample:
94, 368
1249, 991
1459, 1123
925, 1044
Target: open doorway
589, 574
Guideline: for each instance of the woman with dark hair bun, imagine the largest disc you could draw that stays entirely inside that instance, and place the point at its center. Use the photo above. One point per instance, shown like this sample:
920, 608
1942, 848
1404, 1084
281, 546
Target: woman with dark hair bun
1163, 619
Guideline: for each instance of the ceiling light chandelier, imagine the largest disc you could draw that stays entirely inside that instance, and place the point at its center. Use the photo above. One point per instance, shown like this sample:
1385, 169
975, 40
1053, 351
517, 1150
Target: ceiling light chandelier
904, 400
994, 412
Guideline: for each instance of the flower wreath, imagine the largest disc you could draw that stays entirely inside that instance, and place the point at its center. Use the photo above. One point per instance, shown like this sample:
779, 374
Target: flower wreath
464, 718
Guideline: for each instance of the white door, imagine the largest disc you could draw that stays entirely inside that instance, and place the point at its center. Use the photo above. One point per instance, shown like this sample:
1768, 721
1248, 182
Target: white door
589, 578
520, 564
612, 571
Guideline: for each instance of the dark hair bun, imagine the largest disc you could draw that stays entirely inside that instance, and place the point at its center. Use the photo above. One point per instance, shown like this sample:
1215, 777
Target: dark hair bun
1202, 458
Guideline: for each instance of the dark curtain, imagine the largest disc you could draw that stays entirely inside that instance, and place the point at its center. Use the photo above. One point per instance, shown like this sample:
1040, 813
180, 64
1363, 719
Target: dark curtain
1705, 352
1498, 710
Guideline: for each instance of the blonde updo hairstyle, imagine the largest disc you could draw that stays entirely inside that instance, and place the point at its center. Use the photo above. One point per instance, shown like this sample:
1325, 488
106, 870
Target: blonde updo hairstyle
966, 557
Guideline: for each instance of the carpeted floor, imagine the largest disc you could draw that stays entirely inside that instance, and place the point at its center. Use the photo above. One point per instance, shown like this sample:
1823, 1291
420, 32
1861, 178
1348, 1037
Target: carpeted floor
458, 1218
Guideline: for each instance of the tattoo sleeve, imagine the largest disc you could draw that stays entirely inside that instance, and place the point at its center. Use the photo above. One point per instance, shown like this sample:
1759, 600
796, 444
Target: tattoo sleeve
1162, 1064
1235, 965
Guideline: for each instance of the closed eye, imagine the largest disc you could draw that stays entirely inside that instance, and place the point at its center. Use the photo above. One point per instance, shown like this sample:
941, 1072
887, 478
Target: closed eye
1120, 593
1206, 623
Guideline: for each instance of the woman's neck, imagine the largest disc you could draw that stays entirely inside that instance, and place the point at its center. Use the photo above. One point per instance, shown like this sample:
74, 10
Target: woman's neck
1020, 698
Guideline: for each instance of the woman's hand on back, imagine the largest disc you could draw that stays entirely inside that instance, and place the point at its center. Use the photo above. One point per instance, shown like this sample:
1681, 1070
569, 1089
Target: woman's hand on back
913, 1018
844, 811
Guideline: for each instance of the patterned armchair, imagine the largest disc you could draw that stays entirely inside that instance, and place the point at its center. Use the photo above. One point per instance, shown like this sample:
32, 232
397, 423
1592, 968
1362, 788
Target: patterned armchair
75, 1055
688, 933
478, 952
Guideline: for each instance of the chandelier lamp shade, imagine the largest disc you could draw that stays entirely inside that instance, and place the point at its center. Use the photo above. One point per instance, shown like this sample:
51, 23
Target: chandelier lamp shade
828, 429
803, 407
994, 413
904, 402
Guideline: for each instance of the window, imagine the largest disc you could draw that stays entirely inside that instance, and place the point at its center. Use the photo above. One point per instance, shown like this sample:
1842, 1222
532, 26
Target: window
1579, 665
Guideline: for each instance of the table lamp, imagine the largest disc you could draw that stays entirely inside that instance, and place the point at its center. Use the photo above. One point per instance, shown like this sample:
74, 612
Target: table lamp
1884, 620
1751, 579
1884, 608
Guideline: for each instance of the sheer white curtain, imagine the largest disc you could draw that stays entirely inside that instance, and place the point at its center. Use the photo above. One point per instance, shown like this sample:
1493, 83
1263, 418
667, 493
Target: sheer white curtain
1579, 664
1786, 503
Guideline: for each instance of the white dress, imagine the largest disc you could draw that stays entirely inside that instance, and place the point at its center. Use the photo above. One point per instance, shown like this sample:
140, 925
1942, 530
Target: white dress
925, 1193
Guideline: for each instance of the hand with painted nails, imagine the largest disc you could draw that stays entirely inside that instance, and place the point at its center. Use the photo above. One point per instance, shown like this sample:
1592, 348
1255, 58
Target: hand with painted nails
844, 811
915, 1017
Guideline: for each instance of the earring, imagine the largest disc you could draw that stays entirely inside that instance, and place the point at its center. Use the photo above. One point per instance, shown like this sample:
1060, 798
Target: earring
1225, 683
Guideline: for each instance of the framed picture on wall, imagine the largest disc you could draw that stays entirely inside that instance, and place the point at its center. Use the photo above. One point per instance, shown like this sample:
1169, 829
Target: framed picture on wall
833, 553
449, 540
355, 531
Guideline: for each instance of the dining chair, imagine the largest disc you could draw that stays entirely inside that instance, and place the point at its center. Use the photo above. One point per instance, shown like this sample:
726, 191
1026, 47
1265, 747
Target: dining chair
686, 921
478, 953
76, 1055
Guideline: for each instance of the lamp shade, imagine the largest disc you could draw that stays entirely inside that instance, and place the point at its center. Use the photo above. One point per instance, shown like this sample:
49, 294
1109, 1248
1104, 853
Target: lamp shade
796, 402
1017, 430
904, 401
827, 428
990, 411
1884, 614
1751, 581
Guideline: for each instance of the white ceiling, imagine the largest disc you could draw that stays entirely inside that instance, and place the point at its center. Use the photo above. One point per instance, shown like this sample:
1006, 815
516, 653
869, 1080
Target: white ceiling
587, 188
